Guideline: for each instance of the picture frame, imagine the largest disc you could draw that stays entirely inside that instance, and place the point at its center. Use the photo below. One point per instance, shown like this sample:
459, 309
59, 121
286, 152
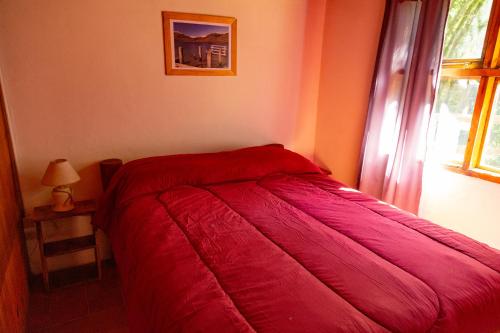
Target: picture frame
199, 45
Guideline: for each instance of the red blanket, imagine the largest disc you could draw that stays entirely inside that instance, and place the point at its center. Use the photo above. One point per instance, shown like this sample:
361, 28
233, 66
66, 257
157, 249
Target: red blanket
260, 240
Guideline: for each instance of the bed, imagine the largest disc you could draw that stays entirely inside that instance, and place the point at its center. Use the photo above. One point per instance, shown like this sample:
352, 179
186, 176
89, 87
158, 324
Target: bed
262, 240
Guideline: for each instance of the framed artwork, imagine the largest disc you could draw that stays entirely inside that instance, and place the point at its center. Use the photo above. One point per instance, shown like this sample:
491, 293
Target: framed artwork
197, 44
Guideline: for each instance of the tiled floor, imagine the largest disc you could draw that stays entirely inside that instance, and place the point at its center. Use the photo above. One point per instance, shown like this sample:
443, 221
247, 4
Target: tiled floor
94, 307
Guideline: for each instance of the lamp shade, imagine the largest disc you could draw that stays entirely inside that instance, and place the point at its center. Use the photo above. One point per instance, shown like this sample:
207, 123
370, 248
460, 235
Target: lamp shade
60, 172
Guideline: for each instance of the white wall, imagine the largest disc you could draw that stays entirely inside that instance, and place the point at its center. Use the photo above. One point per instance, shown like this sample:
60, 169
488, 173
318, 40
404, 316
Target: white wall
468, 205
84, 80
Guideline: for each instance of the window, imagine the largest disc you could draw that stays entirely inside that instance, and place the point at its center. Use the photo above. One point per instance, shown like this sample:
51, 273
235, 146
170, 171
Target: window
465, 125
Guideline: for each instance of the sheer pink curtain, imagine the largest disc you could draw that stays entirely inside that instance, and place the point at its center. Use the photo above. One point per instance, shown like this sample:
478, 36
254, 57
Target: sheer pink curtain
402, 97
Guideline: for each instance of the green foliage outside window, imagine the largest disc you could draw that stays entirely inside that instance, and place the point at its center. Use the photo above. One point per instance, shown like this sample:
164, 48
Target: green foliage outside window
466, 28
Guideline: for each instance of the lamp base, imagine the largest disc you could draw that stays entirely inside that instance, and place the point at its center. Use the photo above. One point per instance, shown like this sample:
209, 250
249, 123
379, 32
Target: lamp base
63, 208
63, 198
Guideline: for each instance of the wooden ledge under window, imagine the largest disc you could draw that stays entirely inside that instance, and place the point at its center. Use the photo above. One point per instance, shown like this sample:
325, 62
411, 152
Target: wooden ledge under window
478, 173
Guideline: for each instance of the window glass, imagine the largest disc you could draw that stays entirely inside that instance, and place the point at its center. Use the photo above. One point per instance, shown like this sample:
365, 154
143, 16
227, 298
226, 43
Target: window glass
491, 150
451, 119
466, 28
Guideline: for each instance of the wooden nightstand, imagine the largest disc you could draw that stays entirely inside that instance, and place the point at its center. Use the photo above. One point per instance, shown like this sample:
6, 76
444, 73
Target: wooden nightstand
65, 246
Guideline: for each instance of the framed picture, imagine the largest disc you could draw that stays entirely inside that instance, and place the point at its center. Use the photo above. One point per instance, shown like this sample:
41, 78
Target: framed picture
197, 44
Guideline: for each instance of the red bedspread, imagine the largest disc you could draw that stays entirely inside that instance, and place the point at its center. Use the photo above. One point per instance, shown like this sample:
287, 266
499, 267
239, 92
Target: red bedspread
259, 240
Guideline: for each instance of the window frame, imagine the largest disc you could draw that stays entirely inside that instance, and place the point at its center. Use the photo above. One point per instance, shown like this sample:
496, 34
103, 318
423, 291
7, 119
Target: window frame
487, 70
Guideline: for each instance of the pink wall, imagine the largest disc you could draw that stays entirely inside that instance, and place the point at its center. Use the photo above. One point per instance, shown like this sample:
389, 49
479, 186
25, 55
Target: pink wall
85, 80
351, 38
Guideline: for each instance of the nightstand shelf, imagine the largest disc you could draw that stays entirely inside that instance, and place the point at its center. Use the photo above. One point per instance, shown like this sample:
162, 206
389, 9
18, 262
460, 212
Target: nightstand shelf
66, 246
52, 249
45, 213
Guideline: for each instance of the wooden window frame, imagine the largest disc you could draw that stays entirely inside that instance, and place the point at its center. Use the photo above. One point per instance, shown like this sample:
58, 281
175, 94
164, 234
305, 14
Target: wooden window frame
487, 70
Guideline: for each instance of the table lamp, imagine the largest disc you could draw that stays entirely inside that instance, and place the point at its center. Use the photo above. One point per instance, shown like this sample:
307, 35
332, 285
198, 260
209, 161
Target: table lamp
61, 175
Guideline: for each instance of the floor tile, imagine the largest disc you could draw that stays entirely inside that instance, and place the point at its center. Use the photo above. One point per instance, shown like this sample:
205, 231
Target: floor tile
108, 319
103, 294
36, 330
80, 325
38, 313
94, 307
68, 304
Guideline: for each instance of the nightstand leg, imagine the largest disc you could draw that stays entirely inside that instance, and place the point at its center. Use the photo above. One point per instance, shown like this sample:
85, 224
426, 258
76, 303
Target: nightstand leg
98, 263
97, 253
43, 260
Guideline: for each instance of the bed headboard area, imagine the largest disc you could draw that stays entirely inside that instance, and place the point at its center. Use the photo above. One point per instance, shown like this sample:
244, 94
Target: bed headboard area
107, 169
